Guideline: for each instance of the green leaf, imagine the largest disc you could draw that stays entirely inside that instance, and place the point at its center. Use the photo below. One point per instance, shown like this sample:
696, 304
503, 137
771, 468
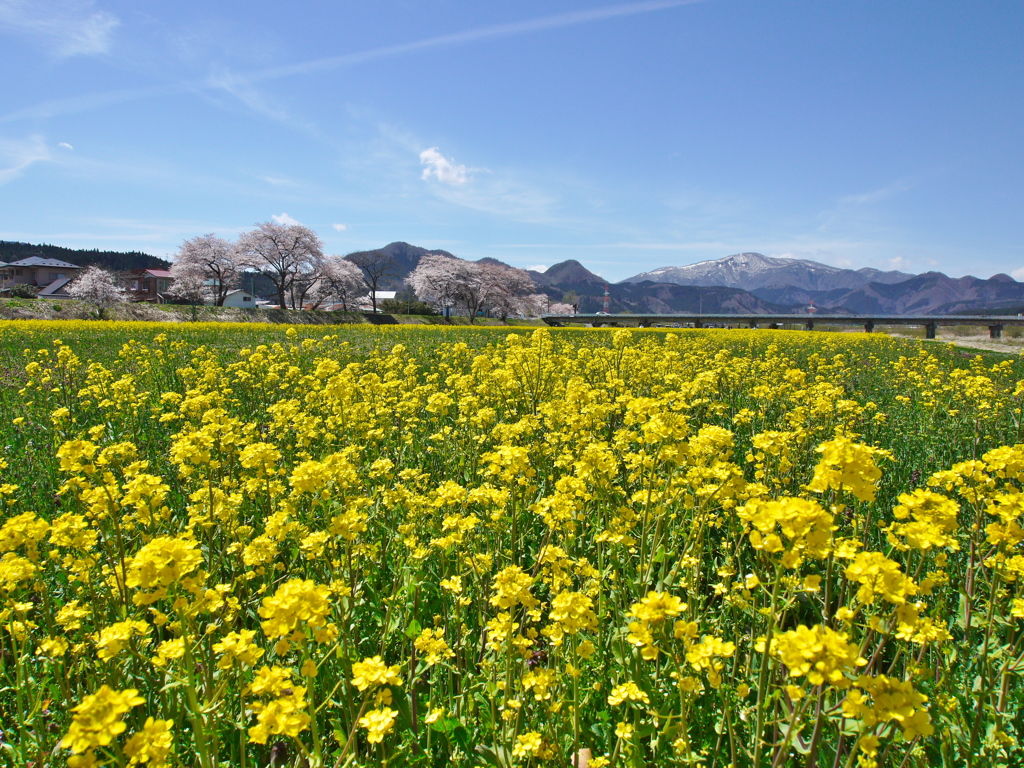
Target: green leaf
445, 725
413, 630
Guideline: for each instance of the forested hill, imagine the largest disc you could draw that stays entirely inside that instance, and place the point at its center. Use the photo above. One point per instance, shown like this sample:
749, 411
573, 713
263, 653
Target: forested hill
120, 262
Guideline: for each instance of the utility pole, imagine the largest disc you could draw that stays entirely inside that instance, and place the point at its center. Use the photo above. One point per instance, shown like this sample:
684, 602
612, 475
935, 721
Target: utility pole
607, 300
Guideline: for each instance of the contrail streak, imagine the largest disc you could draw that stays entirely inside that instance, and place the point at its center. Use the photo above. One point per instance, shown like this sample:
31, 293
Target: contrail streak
470, 36
218, 81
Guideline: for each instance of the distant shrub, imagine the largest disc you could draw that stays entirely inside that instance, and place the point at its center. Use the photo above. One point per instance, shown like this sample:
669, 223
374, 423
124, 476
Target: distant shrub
399, 307
24, 291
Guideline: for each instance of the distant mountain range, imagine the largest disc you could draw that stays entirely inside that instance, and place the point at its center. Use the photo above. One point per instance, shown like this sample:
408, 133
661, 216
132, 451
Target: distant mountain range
797, 283
648, 298
751, 271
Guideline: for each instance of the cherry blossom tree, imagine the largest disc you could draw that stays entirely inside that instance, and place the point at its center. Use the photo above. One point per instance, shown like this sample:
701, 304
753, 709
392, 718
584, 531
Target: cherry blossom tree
561, 309
190, 287
475, 286
98, 286
340, 281
290, 256
211, 259
437, 280
510, 291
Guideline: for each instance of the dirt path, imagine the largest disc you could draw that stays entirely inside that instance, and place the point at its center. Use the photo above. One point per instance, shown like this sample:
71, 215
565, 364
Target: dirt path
1006, 346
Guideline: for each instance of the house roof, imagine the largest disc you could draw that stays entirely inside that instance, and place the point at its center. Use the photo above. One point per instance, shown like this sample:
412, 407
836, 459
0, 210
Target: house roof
237, 290
36, 261
55, 286
153, 272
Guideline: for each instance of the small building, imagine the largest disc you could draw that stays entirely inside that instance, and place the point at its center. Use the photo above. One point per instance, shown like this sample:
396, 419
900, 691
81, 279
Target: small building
36, 271
239, 298
365, 303
149, 285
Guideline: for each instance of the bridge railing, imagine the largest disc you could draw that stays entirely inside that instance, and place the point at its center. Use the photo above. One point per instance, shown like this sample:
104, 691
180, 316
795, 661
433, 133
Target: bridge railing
931, 323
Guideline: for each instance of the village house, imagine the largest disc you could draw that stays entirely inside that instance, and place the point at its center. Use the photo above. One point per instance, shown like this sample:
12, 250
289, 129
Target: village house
39, 272
239, 298
365, 303
149, 285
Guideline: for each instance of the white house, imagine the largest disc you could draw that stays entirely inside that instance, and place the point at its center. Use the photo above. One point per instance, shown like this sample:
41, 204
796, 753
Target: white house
365, 303
240, 298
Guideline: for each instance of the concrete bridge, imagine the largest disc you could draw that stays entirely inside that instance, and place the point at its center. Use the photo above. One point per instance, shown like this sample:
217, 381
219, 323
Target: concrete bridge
994, 323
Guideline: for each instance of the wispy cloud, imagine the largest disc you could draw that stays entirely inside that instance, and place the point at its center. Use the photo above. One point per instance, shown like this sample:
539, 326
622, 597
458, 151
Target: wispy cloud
878, 195
284, 218
278, 181
65, 27
501, 195
65, 145
240, 85
437, 166
339, 227
18, 154
243, 88
478, 34
86, 102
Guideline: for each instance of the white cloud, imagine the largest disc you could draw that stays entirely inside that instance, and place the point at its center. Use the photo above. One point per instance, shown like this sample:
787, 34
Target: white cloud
17, 155
284, 218
1018, 274
65, 145
441, 168
539, 268
65, 27
340, 227
277, 181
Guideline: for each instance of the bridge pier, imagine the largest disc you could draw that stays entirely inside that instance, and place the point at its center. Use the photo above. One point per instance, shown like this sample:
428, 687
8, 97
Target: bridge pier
995, 331
809, 325
869, 326
929, 330
698, 324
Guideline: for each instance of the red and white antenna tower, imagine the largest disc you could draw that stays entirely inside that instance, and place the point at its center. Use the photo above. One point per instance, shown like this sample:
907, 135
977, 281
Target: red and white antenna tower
607, 300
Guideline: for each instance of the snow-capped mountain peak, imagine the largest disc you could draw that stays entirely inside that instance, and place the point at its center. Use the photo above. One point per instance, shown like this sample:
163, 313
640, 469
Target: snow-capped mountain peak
750, 271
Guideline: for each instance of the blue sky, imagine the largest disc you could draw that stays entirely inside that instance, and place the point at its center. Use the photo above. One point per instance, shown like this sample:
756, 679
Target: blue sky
628, 136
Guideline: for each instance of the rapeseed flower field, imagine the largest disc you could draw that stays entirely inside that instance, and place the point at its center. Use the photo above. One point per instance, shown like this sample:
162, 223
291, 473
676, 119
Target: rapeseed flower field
252, 546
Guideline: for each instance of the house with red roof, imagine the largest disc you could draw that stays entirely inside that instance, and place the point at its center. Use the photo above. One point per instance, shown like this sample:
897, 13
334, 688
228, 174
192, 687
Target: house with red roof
150, 285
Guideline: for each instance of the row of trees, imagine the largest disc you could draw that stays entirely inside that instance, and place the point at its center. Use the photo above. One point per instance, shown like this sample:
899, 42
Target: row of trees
291, 257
